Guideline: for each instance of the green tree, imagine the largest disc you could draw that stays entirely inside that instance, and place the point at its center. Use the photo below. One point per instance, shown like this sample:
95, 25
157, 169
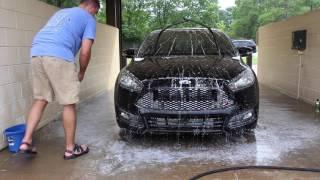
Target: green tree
140, 17
136, 18
205, 11
102, 14
164, 12
225, 19
245, 18
249, 15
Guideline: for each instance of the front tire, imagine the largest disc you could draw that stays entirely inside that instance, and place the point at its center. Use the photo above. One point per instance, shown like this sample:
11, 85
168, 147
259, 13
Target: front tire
251, 126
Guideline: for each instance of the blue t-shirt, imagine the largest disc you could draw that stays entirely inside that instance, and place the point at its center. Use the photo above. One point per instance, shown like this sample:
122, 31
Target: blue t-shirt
61, 37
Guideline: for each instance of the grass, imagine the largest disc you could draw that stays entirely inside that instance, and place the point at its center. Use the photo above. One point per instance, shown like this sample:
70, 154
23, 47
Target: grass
254, 60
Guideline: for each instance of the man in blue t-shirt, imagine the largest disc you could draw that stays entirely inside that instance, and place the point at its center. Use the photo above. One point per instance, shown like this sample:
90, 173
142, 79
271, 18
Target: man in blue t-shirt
54, 71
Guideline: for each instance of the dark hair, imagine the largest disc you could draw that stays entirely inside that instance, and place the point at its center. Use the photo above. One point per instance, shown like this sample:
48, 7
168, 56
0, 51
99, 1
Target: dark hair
95, 2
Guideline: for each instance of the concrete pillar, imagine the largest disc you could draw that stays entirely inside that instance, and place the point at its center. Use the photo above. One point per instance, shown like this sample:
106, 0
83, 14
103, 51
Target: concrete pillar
114, 18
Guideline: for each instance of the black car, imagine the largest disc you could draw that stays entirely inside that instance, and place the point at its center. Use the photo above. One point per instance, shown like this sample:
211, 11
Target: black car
188, 80
245, 43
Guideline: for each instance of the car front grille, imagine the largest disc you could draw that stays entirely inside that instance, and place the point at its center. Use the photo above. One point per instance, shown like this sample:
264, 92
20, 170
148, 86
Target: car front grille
214, 123
188, 98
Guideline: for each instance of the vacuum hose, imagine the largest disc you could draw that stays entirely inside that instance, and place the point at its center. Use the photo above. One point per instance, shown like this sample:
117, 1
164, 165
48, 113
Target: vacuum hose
255, 167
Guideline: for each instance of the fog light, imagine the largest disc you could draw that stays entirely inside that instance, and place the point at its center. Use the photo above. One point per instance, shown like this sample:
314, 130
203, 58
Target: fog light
248, 115
241, 120
131, 119
124, 115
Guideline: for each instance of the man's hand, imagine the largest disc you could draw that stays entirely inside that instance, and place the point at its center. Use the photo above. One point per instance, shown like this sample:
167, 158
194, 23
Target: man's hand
81, 76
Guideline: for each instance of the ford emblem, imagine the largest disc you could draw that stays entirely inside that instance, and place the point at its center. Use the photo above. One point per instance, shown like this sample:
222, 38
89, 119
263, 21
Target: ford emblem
184, 82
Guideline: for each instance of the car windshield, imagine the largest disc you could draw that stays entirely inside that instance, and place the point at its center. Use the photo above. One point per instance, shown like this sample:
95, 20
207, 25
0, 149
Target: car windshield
243, 43
186, 42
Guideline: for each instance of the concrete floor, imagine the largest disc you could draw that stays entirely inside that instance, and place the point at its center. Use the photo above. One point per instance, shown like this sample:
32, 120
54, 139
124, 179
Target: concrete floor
288, 134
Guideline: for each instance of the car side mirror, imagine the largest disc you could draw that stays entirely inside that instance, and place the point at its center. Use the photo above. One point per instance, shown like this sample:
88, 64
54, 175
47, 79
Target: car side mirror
245, 51
130, 53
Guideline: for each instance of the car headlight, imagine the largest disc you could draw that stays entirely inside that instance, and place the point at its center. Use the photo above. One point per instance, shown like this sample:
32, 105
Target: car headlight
130, 82
243, 80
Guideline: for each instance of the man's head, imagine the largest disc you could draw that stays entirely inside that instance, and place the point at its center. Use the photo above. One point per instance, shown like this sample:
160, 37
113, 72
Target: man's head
92, 6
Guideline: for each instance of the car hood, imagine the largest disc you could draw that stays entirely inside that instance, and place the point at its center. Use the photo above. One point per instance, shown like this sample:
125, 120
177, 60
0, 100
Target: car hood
202, 66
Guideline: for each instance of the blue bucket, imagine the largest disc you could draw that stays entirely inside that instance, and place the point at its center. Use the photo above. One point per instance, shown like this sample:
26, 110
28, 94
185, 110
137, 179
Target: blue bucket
14, 136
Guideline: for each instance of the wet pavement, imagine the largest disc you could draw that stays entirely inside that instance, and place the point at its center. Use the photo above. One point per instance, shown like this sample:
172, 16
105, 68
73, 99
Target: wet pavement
288, 134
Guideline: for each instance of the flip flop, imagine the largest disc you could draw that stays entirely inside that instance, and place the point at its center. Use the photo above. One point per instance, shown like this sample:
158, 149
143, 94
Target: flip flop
77, 152
30, 149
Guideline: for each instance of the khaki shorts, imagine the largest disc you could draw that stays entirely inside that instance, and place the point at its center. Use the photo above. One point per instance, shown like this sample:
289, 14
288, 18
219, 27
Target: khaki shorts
55, 78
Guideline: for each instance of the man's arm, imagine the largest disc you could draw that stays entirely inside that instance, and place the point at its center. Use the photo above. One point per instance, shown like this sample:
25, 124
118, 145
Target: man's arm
85, 54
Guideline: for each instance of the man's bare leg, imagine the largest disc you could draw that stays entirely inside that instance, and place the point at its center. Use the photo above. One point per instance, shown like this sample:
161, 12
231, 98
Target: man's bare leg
34, 117
70, 125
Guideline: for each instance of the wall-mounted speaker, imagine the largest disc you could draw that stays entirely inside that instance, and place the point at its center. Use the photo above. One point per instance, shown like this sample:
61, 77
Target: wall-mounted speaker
299, 40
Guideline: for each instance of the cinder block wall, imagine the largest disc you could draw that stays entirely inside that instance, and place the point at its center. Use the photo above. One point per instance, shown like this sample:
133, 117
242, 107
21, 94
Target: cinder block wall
19, 21
279, 65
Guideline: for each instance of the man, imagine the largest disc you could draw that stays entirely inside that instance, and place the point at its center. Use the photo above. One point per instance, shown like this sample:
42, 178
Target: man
54, 71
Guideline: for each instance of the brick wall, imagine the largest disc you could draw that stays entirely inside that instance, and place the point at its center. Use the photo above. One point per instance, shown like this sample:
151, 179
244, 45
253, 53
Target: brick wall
19, 21
279, 65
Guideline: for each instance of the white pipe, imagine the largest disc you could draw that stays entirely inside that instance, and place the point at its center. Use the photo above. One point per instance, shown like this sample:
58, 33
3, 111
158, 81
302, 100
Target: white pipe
300, 71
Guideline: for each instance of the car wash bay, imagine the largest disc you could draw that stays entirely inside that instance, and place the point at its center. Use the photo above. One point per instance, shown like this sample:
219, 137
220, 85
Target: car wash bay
287, 133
